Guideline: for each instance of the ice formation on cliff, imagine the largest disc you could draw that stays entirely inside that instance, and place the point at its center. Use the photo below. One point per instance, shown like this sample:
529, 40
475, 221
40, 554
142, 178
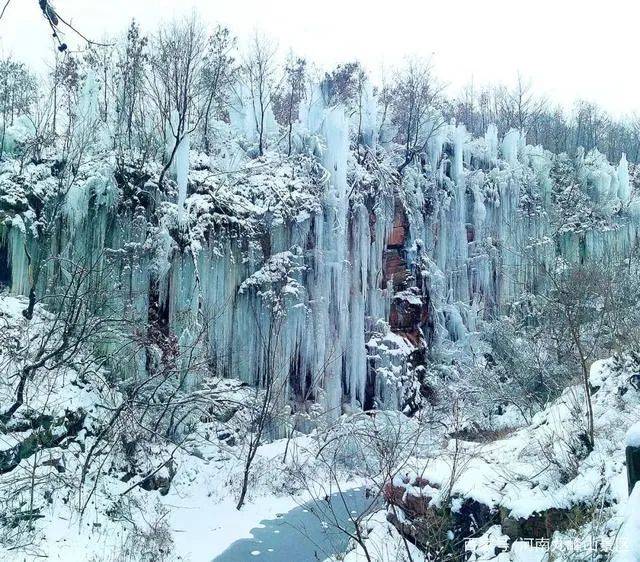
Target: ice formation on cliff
356, 271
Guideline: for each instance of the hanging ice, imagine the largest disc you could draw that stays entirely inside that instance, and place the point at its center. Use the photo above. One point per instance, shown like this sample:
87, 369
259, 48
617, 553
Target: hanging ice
312, 110
88, 102
182, 172
250, 114
460, 219
624, 186
491, 140
331, 312
460, 138
510, 146
77, 202
479, 209
369, 115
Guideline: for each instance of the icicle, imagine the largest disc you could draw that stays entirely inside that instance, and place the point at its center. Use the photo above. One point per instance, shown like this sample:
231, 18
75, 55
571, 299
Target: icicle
329, 290
369, 116
624, 186
170, 135
479, 209
460, 138
336, 134
247, 115
182, 173
491, 140
510, 146
77, 203
434, 148
88, 102
18, 253
312, 110
20, 132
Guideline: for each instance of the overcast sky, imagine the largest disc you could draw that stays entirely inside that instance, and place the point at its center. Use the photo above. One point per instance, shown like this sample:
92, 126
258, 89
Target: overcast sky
569, 48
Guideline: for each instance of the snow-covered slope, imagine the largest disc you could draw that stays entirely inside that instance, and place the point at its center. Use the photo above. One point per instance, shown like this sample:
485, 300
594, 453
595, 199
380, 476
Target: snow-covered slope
75, 485
540, 482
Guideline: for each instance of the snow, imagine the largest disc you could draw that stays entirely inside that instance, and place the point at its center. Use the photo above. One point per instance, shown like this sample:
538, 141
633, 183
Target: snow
524, 552
486, 546
202, 538
629, 536
201, 244
384, 543
199, 511
633, 436
182, 172
507, 474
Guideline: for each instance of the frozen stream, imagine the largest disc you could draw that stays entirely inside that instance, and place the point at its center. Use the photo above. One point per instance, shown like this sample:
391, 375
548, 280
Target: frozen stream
306, 533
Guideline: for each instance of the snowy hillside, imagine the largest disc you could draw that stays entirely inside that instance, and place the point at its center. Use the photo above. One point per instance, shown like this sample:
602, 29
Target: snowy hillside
163, 498
180, 497
532, 495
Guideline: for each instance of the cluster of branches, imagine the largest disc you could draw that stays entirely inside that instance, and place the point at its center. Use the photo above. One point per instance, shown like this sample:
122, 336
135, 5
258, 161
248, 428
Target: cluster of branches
520, 107
80, 337
182, 78
551, 339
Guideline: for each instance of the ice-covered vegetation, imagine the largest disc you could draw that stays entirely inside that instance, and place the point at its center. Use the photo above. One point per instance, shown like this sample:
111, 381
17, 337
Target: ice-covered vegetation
214, 264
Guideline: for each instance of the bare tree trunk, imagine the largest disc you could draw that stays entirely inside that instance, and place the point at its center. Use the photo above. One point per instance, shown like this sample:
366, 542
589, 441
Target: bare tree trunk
254, 443
587, 393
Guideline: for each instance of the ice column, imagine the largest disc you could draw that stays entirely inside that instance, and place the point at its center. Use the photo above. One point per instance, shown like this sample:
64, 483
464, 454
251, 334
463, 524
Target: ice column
491, 140
182, 172
624, 187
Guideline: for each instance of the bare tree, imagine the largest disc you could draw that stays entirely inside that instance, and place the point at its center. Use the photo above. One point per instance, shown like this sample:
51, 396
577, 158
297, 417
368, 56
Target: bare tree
417, 98
265, 405
131, 67
287, 99
590, 125
375, 446
590, 310
259, 77
520, 107
217, 73
177, 59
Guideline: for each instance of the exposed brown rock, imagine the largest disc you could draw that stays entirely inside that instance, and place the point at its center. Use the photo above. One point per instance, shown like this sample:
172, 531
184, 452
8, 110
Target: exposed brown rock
395, 270
398, 234
422, 522
408, 311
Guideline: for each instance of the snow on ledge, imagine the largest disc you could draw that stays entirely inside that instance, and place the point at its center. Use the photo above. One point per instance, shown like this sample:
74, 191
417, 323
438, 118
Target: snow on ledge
633, 436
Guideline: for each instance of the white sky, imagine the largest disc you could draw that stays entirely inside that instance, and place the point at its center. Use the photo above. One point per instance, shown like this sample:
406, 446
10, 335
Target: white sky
569, 48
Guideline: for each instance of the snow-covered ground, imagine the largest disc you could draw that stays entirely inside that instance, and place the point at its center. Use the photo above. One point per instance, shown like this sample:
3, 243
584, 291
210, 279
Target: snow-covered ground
532, 470
110, 519
544, 468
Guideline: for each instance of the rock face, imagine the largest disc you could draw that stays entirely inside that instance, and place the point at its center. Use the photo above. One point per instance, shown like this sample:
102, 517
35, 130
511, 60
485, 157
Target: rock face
399, 230
540, 525
426, 521
409, 308
395, 270
430, 526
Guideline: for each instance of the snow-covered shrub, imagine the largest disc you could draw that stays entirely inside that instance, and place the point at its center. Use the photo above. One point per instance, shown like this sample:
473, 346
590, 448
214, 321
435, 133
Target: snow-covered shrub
148, 537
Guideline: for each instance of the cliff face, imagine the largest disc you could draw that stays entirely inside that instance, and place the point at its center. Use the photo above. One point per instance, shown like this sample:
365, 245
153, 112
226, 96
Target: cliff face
326, 272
